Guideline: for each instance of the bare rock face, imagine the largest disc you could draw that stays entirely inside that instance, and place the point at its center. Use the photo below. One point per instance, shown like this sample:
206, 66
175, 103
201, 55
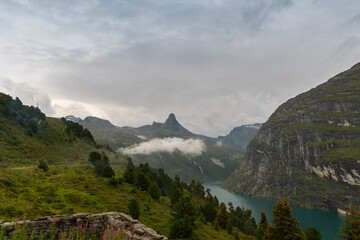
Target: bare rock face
96, 223
309, 149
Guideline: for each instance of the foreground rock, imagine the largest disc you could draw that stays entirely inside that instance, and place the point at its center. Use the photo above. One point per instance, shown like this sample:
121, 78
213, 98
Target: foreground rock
308, 151
96, 223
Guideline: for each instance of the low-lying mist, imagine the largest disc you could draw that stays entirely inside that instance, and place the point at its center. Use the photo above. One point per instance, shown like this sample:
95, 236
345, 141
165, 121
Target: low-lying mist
193, 147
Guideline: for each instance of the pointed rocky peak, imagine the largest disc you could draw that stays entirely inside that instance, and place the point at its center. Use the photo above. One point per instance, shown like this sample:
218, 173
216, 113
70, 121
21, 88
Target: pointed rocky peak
171, 123
171, 118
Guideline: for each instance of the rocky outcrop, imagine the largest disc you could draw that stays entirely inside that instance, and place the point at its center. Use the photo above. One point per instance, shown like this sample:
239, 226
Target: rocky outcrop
309, 149
95, 223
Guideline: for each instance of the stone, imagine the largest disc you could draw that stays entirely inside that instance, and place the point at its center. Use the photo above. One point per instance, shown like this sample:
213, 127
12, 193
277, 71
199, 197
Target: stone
3, 165
139, 231
97, 222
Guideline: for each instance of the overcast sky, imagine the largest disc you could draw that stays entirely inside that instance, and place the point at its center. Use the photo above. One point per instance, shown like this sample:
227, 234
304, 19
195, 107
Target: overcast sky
215, 64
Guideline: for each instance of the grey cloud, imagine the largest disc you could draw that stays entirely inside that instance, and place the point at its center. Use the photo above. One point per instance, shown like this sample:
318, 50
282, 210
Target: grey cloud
216, 64
28, 95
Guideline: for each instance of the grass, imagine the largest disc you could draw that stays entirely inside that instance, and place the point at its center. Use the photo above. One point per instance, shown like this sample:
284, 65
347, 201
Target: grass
68, 189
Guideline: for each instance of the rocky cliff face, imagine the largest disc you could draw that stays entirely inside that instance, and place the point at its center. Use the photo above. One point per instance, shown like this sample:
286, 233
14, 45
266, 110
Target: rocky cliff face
309, 149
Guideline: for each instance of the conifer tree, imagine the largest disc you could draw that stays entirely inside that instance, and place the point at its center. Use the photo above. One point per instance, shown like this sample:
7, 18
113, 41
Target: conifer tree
134, 208
284, 225
223, 216
263, 225
209, 211
154, 190
350, 229
142, 181
312, 233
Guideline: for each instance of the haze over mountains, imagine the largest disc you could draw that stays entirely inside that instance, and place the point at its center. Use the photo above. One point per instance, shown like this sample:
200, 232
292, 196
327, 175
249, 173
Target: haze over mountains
238, 137
170, 146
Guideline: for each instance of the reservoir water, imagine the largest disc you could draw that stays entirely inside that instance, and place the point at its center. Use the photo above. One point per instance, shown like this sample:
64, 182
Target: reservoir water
327, 223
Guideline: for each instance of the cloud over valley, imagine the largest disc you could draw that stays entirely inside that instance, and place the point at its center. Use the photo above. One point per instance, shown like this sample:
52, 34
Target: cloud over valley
192, 147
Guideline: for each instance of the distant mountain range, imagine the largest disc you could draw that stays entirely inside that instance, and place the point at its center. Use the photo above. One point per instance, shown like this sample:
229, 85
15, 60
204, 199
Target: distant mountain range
239, 137
222, 154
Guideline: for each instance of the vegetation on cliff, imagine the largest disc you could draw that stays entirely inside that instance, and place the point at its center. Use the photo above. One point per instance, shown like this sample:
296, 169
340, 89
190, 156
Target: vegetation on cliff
308, 149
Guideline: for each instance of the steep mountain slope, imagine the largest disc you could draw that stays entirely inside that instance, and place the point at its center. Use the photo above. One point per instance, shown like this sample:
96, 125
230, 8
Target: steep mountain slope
27, 135
309, 149
240, 136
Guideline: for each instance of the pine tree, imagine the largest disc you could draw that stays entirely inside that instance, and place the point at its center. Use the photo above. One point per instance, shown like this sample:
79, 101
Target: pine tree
154, 190
312, 233
223, 216
142, 181
350, 230
285, 226
263, 225
209, 211
229, 227
129, 175
175, 196
134, 208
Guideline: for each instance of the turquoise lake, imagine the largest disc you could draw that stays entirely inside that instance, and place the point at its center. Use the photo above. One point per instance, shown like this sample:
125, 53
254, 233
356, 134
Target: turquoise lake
327, 223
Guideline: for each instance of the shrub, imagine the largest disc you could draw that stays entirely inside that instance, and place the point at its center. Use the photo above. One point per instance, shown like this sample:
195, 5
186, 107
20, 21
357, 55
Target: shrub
229, 228
43, 165
181, 228
113, 181
312, 233
134, 208
154, 191
108, 172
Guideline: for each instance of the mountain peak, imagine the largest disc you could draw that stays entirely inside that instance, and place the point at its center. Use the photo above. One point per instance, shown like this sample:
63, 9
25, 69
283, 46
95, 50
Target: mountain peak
171, 118
172, 123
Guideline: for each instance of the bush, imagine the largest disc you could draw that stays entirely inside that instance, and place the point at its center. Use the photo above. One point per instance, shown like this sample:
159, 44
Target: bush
312, 233
181, 228
43, 165
134, 208
154, 191
216, 225
113, 181
33, 125
129, 175
108, 172
229, 228
94, 157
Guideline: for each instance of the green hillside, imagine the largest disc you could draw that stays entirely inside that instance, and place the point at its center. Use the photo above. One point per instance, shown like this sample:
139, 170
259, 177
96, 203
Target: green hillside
53, 140
68, 189
72, 185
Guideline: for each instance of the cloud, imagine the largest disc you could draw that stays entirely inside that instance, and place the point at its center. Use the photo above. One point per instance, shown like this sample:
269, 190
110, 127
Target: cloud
216, 63
28, 95
193, 147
